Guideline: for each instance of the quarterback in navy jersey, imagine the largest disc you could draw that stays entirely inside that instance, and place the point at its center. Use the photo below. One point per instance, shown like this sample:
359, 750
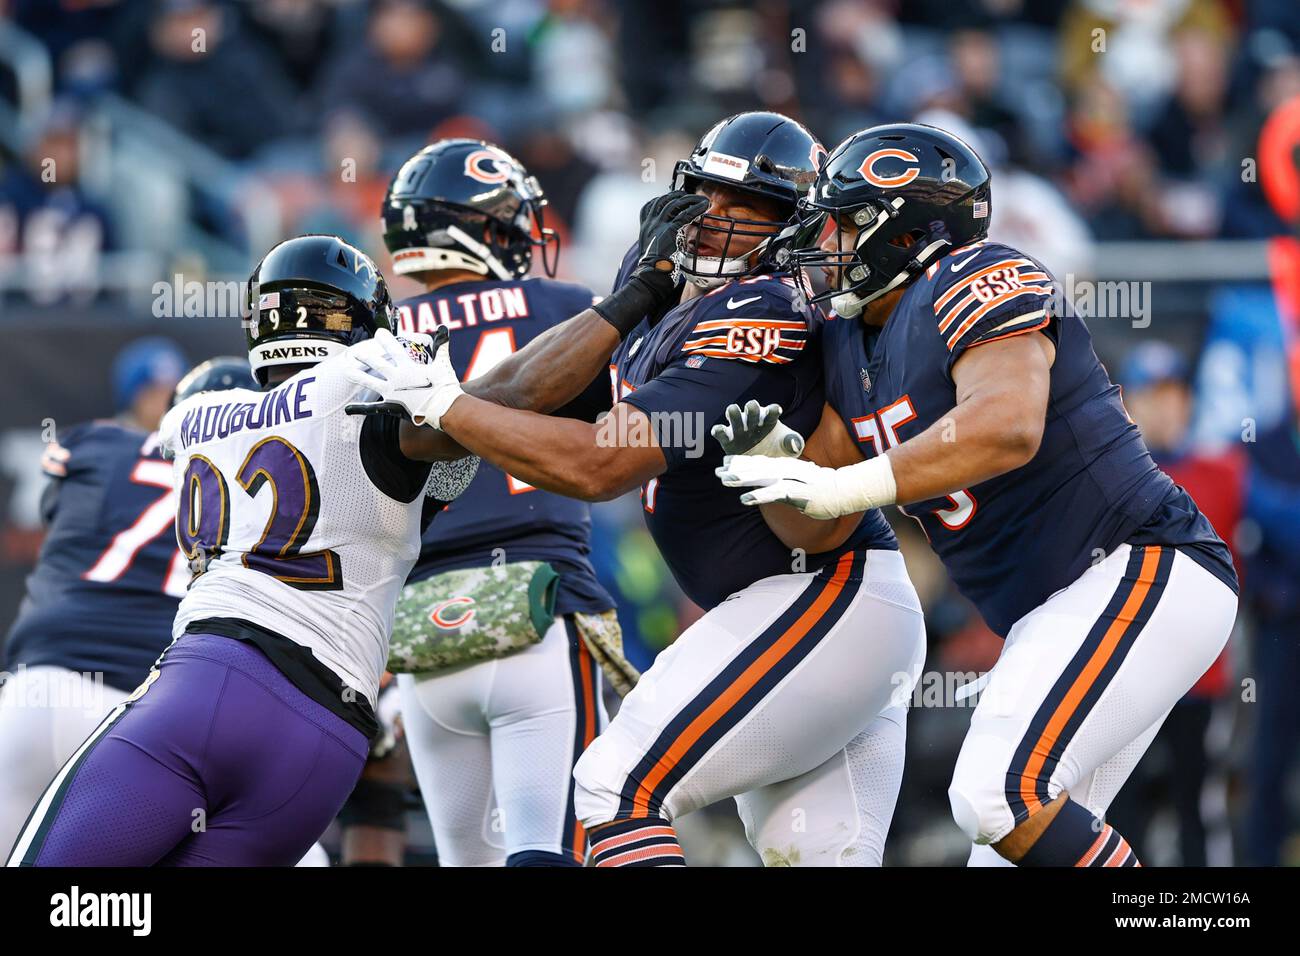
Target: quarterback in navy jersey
101, 600
774, 697
980, 407
496, 741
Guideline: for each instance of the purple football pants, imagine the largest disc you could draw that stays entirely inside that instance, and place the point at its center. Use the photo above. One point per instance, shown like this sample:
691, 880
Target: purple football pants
221, 762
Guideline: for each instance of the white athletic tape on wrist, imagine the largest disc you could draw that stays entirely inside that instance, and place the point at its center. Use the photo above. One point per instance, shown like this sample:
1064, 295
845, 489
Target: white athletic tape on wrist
868, 484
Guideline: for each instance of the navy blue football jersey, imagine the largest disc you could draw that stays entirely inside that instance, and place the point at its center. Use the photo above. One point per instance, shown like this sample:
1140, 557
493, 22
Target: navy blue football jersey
746, 339
499, 516
105, 588
1012, 541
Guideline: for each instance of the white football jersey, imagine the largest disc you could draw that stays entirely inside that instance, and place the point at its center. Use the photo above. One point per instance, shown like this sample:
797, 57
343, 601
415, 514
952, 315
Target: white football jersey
286, 528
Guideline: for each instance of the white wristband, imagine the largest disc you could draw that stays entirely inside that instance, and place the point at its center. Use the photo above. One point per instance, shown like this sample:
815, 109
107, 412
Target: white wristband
866, 485
781, 442
437, 405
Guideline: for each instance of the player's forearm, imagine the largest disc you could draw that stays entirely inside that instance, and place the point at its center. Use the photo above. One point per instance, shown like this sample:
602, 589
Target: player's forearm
553, 368
812, 535
985, 436
562, 455
429, 444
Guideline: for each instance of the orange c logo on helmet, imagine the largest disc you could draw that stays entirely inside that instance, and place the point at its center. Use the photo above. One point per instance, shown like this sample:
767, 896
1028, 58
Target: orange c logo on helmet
815, 156
492, 174
868, 168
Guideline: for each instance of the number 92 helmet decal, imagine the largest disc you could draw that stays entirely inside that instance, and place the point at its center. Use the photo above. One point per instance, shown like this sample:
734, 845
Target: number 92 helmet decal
310, 298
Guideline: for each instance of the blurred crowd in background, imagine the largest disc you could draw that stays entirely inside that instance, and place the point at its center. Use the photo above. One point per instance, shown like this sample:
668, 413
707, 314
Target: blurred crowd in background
183, 137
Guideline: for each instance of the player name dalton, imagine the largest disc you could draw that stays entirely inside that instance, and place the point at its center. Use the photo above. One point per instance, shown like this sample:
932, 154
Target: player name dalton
76, 908
490, 305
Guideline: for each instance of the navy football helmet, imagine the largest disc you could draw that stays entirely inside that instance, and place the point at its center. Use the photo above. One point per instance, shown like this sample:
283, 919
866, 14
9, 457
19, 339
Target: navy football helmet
766, 154
913, 192
466, 204
215, 375
310, 298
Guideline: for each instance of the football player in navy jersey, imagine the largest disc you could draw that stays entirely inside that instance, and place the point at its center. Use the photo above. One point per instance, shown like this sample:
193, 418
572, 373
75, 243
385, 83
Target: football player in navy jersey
494, 743
101, 599
786, 693
979, 405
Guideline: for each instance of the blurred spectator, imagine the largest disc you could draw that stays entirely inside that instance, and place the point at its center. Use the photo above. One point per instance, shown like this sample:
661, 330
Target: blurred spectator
1188, 134
1116, 179
144, 377
304, 35
52, 234
405, 77
213, 82
1029, 213
563, 172
94, 45
573, 57
978, 70
344, 194
1127, 45
1185, 769
860, 44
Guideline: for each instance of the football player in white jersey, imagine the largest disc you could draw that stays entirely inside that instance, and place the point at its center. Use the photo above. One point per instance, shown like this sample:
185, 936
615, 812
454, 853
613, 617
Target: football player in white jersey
300, 523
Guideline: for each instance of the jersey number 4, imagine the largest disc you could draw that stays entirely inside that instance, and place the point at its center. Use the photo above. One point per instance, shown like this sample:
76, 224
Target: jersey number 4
885, 424
203, 517
495, 346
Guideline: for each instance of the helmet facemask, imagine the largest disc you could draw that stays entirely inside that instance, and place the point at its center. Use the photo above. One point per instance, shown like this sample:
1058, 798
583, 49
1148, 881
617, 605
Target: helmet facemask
708, 272
457, 238
728, 234
883, 255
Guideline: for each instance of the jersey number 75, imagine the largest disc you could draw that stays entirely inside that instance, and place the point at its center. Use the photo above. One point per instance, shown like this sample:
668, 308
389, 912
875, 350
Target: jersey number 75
886, 423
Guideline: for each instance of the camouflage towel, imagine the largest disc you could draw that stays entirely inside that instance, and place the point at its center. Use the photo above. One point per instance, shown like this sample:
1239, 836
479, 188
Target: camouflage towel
604, 638
470, 615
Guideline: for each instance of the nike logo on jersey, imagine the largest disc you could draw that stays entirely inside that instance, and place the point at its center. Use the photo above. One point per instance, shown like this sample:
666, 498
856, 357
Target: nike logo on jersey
632, 351
958, 266
733, 304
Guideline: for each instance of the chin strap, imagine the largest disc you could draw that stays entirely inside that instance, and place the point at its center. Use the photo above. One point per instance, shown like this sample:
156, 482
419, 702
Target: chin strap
719, 271
478, 258
849, 304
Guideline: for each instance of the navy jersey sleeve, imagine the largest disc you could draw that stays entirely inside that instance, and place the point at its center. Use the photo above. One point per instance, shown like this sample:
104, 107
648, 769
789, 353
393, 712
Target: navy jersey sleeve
65, 457
988, 293
628, 264
740, 346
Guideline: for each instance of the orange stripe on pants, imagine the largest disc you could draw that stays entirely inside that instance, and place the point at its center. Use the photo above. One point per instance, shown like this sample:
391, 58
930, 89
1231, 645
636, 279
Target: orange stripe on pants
588, 735
740, 686
1087, 677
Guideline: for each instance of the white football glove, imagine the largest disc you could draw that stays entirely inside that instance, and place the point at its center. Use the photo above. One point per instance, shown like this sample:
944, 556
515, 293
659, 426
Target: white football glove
757, 430
412, 376
816, 491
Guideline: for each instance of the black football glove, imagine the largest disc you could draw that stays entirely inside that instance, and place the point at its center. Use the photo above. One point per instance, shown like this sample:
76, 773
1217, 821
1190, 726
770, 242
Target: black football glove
650, 288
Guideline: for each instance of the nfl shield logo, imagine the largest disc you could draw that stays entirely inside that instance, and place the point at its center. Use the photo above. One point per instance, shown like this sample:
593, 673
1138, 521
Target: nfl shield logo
695, 361
866, 380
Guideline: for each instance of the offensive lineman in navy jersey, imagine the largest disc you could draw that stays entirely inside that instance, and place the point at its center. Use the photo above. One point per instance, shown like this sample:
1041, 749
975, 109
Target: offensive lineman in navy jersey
494, 744
981, 406
102, 597
783, 694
